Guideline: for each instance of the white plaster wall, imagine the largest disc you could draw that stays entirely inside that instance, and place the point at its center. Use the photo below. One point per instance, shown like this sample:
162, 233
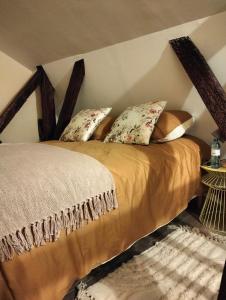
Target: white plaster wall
23, 127
146, 68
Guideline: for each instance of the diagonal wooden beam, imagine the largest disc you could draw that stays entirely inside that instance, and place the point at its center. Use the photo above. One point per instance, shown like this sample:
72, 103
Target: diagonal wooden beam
71, 96
17, 102
46, 125
203, 78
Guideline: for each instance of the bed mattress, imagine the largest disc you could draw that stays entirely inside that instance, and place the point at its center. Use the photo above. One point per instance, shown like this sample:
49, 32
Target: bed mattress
153, 183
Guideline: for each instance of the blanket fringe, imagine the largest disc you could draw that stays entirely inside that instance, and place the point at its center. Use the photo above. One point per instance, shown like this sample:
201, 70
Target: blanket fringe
49, 229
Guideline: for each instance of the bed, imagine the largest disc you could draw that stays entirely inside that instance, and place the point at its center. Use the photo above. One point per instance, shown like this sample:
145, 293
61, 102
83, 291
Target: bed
154, 184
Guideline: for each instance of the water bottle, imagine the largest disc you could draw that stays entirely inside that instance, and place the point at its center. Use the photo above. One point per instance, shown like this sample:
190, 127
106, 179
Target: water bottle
215, 154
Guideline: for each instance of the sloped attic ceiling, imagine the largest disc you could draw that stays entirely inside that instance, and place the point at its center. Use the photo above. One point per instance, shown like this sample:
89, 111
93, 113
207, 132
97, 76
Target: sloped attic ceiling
36, 32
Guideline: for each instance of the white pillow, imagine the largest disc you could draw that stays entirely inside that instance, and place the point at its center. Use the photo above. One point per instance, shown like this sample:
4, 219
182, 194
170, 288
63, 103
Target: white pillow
136, 123
84, 124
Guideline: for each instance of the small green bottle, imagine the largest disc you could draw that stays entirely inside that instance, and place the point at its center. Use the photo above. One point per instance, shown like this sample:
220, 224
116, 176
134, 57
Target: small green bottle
215, 154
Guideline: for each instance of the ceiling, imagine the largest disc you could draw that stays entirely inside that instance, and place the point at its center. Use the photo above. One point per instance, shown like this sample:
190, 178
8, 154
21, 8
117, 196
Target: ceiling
36, 32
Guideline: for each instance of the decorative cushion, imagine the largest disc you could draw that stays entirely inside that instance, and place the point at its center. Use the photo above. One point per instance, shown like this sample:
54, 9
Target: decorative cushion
83, 124
171, 125
104, 127
136, 123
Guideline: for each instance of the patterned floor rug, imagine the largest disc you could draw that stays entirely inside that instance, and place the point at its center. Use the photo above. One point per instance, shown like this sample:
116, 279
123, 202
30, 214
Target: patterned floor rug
187, 264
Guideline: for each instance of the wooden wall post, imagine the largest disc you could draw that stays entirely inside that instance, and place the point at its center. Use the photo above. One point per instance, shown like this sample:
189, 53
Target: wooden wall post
46, 125
71, 96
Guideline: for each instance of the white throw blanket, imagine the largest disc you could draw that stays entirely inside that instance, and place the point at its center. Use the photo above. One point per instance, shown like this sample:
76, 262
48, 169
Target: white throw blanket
44, 189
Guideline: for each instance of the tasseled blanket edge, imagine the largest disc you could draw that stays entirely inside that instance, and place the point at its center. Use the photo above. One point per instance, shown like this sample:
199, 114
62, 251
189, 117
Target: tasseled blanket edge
49, 229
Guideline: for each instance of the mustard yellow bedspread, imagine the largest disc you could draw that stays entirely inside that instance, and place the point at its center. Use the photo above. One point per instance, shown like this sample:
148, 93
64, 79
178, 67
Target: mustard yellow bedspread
154, 184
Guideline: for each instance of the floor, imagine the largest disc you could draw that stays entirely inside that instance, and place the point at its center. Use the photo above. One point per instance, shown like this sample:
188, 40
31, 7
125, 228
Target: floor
189, 217
222, 292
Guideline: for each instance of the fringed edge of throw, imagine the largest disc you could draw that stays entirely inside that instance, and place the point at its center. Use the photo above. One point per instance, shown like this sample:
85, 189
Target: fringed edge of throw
49, 229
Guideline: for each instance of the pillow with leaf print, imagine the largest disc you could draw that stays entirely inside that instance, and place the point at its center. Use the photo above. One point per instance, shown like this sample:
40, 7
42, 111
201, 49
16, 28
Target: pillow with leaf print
83, 125
135, 124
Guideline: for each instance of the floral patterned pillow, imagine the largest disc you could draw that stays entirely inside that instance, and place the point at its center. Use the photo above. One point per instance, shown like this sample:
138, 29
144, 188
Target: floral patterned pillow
136, 123
84, 124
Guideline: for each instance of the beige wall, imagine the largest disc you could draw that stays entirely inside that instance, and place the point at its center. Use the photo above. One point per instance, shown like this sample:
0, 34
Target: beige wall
146, 68
23, 127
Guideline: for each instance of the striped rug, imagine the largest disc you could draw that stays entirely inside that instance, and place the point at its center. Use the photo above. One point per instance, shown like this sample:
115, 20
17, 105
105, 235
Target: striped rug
187, 264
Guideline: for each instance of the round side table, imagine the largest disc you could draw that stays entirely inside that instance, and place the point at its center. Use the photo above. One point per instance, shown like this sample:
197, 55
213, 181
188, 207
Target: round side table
213, 214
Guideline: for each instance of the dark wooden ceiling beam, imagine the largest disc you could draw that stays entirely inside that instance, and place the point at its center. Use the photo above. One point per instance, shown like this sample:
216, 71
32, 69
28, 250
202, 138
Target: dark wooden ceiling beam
203, 78
46, 125
71, 96
17, 102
